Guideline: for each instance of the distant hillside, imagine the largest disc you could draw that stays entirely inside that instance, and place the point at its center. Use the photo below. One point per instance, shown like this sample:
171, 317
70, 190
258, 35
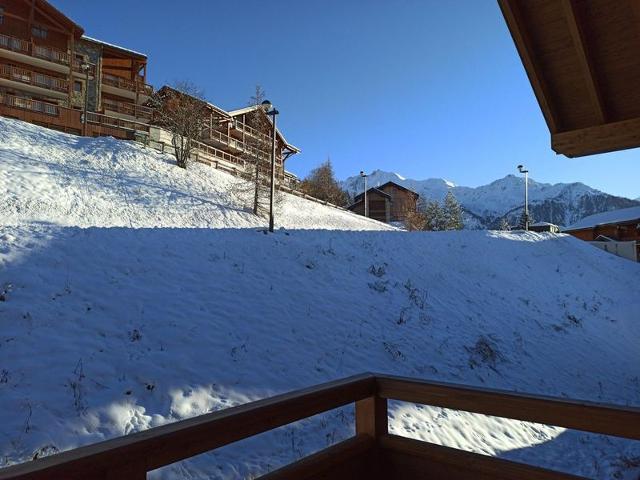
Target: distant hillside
485, 206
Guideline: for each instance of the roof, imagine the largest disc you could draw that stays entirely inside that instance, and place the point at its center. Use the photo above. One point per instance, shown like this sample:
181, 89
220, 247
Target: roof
251, 108
57, 16
624, 215
115, 47
399, 187
377, 190
582, 61
543, 224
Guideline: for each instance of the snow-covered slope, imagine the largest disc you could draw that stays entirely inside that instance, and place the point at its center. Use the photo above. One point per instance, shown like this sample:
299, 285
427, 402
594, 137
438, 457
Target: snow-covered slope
108, 329
560, 203
68, 180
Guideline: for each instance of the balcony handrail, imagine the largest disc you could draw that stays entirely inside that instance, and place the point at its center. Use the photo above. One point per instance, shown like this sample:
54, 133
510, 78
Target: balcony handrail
46, 52
251, 131
130, 457
100, 119
126, 84
33, 78
127, 108
238, 144
38, 106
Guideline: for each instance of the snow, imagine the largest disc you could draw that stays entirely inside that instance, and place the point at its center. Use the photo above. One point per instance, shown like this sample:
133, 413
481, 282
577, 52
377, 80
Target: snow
95, 40
615, 216
137, 294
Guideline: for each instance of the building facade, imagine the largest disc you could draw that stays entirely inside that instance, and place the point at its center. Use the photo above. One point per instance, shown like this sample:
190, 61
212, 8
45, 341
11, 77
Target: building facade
238, 139
387, 203
49, 69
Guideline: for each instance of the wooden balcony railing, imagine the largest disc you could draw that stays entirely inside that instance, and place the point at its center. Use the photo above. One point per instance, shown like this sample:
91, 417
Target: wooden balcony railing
119, 123
127, 84
238, 125
130, 109
77, 67
372, 453
28, 104
215, 135
33, 78
40, 51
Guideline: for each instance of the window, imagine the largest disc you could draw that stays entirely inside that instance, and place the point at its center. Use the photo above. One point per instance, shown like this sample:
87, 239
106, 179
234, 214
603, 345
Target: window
39, 32
1, 15
77, 86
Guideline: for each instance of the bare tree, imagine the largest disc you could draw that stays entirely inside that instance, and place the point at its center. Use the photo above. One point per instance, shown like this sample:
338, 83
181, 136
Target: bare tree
181, 109
257, 157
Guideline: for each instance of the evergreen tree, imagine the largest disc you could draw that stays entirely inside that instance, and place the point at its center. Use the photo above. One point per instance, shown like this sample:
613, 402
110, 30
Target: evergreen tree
504, 225
321, 183
452, 213
433, 216
523, 221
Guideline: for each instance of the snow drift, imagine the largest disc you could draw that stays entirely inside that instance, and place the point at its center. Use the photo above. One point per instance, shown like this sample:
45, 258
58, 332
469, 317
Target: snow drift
122, 313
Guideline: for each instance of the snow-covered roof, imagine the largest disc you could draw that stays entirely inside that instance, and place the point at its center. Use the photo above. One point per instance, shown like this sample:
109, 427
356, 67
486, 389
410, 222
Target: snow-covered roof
606, 218
118, 47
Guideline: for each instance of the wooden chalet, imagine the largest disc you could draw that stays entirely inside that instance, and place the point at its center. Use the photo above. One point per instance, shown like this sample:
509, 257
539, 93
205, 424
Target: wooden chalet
618, 225
234, 138
48, 66
387, 203
582, 60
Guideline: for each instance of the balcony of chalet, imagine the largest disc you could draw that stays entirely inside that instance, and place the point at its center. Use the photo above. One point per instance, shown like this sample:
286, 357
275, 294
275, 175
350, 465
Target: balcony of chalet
36, 83
29, 53
126, 110
123, 87
372, 453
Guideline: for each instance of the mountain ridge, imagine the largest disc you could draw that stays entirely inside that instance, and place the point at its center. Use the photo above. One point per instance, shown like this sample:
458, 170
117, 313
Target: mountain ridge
487, 205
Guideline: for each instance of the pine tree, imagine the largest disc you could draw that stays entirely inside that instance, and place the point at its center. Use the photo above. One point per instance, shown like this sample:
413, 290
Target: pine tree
434, 218
321, 183
504, 225
452, 213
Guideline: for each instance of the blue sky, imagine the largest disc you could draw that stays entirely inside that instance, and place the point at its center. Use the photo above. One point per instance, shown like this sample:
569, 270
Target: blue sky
422, 88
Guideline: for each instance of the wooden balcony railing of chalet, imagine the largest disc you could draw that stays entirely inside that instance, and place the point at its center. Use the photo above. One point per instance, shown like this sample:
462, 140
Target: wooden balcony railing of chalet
77, 67
372, 453
33, 78
126, 84
215, 135
238, 125
119, 123
28, 104
130, 109
40, 51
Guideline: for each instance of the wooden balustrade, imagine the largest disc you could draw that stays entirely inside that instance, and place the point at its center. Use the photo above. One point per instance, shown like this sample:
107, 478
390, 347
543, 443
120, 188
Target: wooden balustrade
119, 123
372, 453
33, 78
238, 125
126, 84
28, 48
28, 104
127, 108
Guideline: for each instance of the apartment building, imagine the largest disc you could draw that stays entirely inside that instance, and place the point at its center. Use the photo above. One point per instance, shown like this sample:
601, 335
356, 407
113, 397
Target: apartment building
49, 69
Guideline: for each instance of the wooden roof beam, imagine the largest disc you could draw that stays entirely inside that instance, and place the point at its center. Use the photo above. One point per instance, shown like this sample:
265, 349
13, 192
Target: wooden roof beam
586, 64
510, 11
599, 139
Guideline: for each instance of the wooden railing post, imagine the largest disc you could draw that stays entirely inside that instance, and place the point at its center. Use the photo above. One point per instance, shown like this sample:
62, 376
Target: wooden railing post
372, 417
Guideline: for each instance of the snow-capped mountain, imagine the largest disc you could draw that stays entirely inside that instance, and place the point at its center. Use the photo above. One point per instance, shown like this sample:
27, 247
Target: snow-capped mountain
485, 206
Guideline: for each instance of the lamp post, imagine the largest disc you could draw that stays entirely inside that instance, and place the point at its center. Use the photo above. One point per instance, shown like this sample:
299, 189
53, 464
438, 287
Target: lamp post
271, 110
366, 205
522, 169
85, 68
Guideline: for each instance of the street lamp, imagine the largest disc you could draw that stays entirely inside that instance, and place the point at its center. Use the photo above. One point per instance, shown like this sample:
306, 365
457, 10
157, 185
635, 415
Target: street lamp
366, 205
85, 67
271, 110
522, 169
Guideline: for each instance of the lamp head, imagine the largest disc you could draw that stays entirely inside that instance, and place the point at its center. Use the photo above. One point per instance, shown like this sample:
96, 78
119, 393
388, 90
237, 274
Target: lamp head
521, 169
362, 174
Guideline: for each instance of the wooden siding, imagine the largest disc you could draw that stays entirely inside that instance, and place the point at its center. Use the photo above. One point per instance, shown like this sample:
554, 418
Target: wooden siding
582, 61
